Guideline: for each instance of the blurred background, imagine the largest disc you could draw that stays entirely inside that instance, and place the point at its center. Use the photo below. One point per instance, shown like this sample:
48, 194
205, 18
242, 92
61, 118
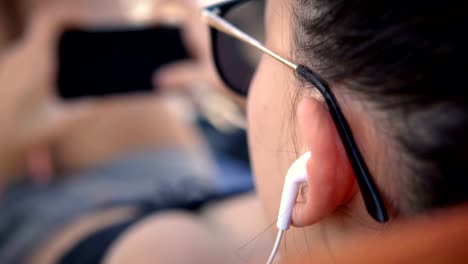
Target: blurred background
167, 124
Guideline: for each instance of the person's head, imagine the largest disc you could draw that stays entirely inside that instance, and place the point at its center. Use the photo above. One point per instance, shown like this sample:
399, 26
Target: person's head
396, 69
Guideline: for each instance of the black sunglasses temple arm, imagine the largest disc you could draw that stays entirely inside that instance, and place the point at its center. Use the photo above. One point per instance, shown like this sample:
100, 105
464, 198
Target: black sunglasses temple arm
372, 199
222, 25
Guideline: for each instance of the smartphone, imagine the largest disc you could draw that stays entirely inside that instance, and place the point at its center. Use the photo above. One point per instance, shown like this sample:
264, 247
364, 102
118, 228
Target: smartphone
103, 62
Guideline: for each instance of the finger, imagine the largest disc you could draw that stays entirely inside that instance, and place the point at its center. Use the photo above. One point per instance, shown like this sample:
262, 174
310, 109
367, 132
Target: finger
40, 43
70, 115
46, 25
194, 32
61, 116
179, 75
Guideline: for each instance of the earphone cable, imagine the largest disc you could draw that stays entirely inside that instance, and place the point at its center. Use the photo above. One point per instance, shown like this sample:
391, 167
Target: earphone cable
275, 247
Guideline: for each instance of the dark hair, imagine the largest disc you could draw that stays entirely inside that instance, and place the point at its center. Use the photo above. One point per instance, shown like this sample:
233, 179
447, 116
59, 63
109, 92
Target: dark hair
10, 15
409, 59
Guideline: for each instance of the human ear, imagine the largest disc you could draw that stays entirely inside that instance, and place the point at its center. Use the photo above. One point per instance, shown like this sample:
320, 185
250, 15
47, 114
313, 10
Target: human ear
330, 178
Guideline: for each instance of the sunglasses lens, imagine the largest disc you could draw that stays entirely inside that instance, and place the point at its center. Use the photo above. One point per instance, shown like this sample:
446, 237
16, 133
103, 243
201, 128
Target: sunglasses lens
235, 60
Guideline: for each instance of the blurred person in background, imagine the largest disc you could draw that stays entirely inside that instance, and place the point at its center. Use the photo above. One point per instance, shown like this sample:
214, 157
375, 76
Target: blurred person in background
70, 169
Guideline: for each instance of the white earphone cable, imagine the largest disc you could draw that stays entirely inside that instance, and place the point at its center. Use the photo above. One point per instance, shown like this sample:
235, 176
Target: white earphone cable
275, 247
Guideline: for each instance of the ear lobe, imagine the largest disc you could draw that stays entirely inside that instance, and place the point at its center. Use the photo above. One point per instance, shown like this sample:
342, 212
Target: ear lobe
330, 176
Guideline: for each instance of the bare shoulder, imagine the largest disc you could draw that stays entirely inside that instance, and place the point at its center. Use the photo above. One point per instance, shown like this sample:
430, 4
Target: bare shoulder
171, 237
182, 237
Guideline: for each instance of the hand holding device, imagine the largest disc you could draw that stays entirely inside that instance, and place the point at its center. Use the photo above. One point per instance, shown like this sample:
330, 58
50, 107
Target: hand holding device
104, 61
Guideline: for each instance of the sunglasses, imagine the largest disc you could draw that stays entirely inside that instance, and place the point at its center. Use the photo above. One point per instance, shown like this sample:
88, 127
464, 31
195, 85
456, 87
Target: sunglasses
237, 33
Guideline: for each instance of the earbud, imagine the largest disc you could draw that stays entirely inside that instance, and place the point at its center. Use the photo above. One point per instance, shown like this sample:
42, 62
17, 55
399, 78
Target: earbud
295, 176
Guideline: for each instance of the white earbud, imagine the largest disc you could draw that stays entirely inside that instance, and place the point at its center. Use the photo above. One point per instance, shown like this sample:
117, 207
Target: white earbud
296, 175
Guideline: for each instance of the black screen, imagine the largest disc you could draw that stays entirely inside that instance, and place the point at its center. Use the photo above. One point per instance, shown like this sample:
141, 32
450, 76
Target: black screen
106, 62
